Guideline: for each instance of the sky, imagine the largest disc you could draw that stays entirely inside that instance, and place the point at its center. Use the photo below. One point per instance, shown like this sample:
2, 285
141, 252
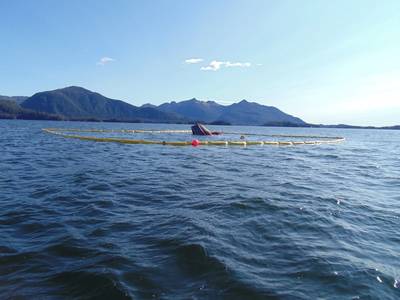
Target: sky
325, 61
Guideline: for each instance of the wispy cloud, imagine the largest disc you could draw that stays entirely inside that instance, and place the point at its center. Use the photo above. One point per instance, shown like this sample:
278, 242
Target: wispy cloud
105, 60
215, 65
193, 60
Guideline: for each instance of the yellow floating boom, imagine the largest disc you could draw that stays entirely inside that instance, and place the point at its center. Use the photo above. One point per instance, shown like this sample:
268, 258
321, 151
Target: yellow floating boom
64, 132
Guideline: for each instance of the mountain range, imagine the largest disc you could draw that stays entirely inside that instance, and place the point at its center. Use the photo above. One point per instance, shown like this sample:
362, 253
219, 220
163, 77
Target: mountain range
77, 103
17, 99
10, 109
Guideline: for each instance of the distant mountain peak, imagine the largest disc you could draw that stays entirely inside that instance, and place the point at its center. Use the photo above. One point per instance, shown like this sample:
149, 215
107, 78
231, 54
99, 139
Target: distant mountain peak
74, 88
194, 100
149, 105
241, 113
17, 99
75, 102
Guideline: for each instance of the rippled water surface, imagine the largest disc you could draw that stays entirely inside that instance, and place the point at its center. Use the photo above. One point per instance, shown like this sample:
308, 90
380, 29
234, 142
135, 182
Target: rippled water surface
80, 219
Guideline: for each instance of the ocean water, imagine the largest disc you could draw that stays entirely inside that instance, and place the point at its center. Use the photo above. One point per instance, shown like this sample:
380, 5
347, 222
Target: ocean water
87, 220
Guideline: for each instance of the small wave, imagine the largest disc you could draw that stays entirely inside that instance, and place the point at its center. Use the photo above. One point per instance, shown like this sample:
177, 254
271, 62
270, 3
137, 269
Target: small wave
66, 249
292, 186
7, 250
89, 285
220, 282
195, 260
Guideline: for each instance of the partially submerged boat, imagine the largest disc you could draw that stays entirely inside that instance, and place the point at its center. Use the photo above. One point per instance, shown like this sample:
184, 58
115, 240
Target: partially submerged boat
199, 129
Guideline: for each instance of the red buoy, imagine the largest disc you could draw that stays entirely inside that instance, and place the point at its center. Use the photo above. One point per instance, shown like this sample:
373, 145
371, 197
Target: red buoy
195, 143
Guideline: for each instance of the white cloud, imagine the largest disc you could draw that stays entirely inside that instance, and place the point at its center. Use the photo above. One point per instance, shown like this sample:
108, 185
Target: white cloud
215, 65
193, 60
237, 64
105, 60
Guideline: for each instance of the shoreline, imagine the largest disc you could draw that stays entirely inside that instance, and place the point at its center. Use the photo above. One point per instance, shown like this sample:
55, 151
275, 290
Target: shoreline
339, 126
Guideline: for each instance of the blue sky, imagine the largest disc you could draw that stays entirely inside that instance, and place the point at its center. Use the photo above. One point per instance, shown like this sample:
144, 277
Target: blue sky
324, 61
